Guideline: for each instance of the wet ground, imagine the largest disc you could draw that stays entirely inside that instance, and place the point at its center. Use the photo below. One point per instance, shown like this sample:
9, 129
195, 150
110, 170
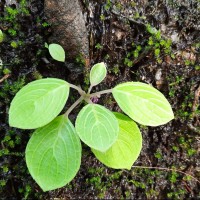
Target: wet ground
123, 34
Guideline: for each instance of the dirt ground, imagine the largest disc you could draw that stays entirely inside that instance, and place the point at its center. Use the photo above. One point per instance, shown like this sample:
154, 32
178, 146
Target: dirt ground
156, 42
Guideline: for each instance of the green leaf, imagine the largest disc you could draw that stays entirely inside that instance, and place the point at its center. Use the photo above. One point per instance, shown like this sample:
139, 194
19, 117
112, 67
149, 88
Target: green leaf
125, 151
97, 127
53, 154
46, 45
143, 103
97, 73
38, 103
1, 36
57, 52
151, 29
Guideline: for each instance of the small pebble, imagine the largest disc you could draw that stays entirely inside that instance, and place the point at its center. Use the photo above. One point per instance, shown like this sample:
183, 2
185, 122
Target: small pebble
158, 74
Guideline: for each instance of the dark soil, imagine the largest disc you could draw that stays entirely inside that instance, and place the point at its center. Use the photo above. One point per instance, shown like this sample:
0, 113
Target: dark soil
116, 29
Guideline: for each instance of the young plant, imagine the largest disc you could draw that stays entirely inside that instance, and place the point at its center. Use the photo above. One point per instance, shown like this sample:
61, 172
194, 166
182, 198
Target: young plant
53, 153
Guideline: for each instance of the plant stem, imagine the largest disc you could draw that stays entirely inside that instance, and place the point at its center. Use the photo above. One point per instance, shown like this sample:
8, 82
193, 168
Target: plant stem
73, 106
4, 78
98, 94
90, 88
81, 92
168, 169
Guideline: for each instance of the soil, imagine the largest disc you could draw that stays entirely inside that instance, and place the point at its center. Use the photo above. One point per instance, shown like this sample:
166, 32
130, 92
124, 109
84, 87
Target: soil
116, 29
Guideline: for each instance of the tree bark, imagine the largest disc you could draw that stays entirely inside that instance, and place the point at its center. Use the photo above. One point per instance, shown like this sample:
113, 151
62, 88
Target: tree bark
69, 28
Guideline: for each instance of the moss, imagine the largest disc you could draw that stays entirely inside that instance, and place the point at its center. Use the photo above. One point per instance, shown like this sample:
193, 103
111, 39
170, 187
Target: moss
19, 59
98, 46
158, 155
12, 154
175, 148
160, 47
108, 5
6, 71
37, 75
18, 55
99, 179
176, 194
138, 184
12, 14
12, 87
86, 79
191, 152
115, 69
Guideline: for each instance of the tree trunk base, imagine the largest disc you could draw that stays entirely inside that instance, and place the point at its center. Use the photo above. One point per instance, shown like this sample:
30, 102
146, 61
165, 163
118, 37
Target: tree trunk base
69, 27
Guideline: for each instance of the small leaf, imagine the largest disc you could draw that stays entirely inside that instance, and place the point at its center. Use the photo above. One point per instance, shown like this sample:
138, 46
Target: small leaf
151, 29
97, 73
143, 103
38, 103
1, 36
46, 45
125, 151
53, 154
57, 52
97, 127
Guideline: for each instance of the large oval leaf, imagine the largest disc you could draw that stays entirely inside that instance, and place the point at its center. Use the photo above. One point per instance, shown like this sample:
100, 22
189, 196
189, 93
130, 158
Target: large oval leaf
57, 52
53, 154
143, 103
97, 127
38, 103
97, 73
125, 151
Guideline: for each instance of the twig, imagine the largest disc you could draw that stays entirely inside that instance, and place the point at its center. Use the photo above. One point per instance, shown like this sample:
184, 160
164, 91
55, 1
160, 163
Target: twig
168, 169
4, 78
